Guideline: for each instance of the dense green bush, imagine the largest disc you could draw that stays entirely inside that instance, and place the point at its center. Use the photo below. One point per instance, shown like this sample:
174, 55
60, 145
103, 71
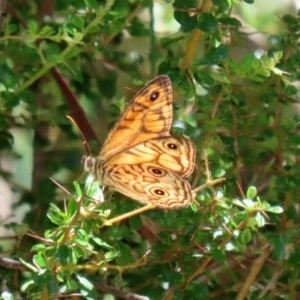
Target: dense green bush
234, 95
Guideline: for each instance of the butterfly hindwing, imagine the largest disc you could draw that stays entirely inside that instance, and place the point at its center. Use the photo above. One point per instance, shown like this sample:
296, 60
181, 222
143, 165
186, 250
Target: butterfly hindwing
173, 153
149, 184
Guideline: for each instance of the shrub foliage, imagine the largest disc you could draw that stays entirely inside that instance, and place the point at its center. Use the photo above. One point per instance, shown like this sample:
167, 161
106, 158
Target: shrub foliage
235, 98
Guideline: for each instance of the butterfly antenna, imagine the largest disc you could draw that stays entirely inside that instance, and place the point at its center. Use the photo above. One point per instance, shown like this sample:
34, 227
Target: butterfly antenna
85, 143
60, 186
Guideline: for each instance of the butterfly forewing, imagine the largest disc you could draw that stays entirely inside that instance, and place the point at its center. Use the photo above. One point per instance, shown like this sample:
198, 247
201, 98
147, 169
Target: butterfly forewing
147, 116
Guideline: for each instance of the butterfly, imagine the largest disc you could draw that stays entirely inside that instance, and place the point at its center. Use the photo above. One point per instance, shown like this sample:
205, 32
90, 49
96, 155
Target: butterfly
141, 158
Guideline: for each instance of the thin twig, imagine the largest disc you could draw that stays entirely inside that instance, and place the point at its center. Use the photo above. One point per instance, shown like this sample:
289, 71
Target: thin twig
117, 292
9, 263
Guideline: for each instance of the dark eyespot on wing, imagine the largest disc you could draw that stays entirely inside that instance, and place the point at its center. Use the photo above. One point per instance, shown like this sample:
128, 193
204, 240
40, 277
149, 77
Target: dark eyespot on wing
159, 192
154, 95
156, 172
172, 146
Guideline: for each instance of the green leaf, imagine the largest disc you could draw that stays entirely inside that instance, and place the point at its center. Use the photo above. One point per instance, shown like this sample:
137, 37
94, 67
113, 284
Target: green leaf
32, 26
264, 73
196, 290
3, 123
93, 190
12, 28
194, 207
207, 22
54, 208
137, 28
187, 22
168, 41
110, 255
171, 276
101, 243
294, 259
181, 128
279, 245
251, 192
214, 56
260, 220
92, 29
248, 203
62, 254
76, 73
7, 296
8, 79
78, 189
27, 285
230, 21
72, 209
219, 255
78, 36
275, 209
239, 203
185, 3
246, 236
114, 110
77, 21
120, 9
46, 30
294, 140
252, 222
291, 21
52, 53
86, 288
274, 39
92, 3
224, 4
55, 215
53, 286
262, 204
135, 222
28, 265
291, 90
38, 247
42, 278
204, 78
39, 260
73, 52
77, 252
265, 135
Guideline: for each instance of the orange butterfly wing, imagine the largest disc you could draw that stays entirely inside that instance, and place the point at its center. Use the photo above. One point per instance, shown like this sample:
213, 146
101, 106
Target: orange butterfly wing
148, 183
140, 158
173, 153
148, 116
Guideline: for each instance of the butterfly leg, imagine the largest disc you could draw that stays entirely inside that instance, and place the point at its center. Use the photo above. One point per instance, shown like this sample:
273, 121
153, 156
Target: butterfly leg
130, 214
209, 182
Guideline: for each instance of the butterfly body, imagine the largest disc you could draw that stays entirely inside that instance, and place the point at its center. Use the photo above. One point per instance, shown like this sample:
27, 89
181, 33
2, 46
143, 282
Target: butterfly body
140, 158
